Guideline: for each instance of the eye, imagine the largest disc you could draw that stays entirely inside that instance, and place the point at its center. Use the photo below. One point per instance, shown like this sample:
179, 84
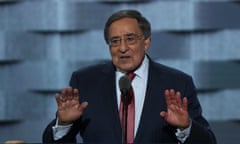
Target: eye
130, 38
114, 42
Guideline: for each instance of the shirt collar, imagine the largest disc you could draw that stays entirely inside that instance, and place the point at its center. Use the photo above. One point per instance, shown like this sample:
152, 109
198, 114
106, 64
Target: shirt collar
143, 69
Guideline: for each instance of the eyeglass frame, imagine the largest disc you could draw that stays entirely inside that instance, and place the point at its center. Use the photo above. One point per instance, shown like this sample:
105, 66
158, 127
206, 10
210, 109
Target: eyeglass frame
118, 39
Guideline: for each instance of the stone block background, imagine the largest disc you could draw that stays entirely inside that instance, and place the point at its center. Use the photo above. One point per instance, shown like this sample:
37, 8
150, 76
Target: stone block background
43, 41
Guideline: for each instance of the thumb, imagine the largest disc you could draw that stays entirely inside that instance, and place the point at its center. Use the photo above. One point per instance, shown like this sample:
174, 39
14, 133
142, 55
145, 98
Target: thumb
83, 106
163, 114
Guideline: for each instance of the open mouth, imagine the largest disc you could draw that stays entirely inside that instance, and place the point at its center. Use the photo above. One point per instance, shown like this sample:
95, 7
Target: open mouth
124, 57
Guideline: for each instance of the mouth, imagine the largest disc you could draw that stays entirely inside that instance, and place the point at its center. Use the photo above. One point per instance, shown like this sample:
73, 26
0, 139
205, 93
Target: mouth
124, 57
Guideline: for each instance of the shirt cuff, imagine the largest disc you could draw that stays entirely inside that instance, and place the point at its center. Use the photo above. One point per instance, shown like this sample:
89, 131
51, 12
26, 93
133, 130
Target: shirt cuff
59, 130
182, 135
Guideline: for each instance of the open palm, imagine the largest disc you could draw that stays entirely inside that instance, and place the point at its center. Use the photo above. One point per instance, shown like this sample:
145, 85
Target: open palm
177, 112
69, 107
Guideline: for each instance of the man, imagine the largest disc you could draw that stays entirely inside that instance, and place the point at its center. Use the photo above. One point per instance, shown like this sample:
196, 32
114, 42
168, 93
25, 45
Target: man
166, 106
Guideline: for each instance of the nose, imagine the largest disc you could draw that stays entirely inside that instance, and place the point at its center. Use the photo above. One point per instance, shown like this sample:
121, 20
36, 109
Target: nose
123, 46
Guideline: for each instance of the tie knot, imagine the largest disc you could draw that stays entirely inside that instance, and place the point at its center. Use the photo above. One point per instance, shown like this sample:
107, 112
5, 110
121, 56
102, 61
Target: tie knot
131, 75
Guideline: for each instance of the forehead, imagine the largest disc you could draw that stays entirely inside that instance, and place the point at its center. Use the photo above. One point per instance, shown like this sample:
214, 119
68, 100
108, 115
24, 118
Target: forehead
124, 26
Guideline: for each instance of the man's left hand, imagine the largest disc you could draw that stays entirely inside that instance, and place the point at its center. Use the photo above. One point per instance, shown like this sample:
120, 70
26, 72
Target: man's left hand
177, 110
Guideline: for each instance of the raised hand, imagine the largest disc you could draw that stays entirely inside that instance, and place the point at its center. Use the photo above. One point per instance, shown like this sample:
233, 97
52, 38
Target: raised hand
69, 107
177, 110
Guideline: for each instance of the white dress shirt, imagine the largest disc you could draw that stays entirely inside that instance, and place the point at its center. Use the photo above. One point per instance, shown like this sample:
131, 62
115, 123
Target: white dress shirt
139, 84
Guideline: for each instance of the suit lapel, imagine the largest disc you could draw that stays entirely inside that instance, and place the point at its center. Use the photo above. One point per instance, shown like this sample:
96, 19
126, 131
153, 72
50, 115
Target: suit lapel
154, 102
109, 90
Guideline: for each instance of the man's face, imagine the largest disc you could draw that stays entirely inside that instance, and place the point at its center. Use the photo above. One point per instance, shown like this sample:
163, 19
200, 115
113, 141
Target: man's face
127, 44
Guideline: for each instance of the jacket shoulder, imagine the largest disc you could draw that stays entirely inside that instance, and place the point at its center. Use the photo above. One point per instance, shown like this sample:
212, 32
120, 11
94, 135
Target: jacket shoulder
96, 68
167, 70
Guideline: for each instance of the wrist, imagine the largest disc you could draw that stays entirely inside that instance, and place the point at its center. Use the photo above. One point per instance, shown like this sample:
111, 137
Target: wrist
61, 122
186, 125
64, 123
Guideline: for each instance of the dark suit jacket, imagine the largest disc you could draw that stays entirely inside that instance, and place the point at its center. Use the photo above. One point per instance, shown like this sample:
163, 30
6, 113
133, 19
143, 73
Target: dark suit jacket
100, 122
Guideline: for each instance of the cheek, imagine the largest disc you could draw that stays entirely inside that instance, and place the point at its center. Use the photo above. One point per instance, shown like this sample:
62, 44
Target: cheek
139, 53
112, 51
138, 56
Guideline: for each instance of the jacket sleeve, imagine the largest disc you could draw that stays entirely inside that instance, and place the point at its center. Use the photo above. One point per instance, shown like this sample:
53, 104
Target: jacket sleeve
200, 131
70, 137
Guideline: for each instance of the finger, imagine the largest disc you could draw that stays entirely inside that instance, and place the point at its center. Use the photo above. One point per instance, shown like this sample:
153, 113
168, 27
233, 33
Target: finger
75, 94
83, 106
185, 104
178, 99
58, 99
64, 94
163, 114
167, 97
172, 92
69, 93
172, 97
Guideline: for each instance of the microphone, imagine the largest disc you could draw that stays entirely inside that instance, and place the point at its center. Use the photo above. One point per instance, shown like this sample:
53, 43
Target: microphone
125, 86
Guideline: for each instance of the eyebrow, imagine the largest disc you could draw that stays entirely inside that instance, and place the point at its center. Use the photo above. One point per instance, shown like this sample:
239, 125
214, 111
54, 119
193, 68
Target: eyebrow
128, 34
115, 37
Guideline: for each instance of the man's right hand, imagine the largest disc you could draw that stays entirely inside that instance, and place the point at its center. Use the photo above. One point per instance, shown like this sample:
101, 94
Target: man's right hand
69, 107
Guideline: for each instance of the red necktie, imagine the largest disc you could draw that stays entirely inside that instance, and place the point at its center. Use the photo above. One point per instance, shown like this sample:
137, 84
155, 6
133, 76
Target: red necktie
130, 113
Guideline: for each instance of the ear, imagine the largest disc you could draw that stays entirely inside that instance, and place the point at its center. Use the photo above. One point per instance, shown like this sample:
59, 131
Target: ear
147, 42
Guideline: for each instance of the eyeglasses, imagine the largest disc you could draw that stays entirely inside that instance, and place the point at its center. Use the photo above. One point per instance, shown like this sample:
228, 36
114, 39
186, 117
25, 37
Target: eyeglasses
130, 39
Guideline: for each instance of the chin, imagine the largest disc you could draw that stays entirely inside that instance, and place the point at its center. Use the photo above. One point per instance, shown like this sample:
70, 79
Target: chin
127, 69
